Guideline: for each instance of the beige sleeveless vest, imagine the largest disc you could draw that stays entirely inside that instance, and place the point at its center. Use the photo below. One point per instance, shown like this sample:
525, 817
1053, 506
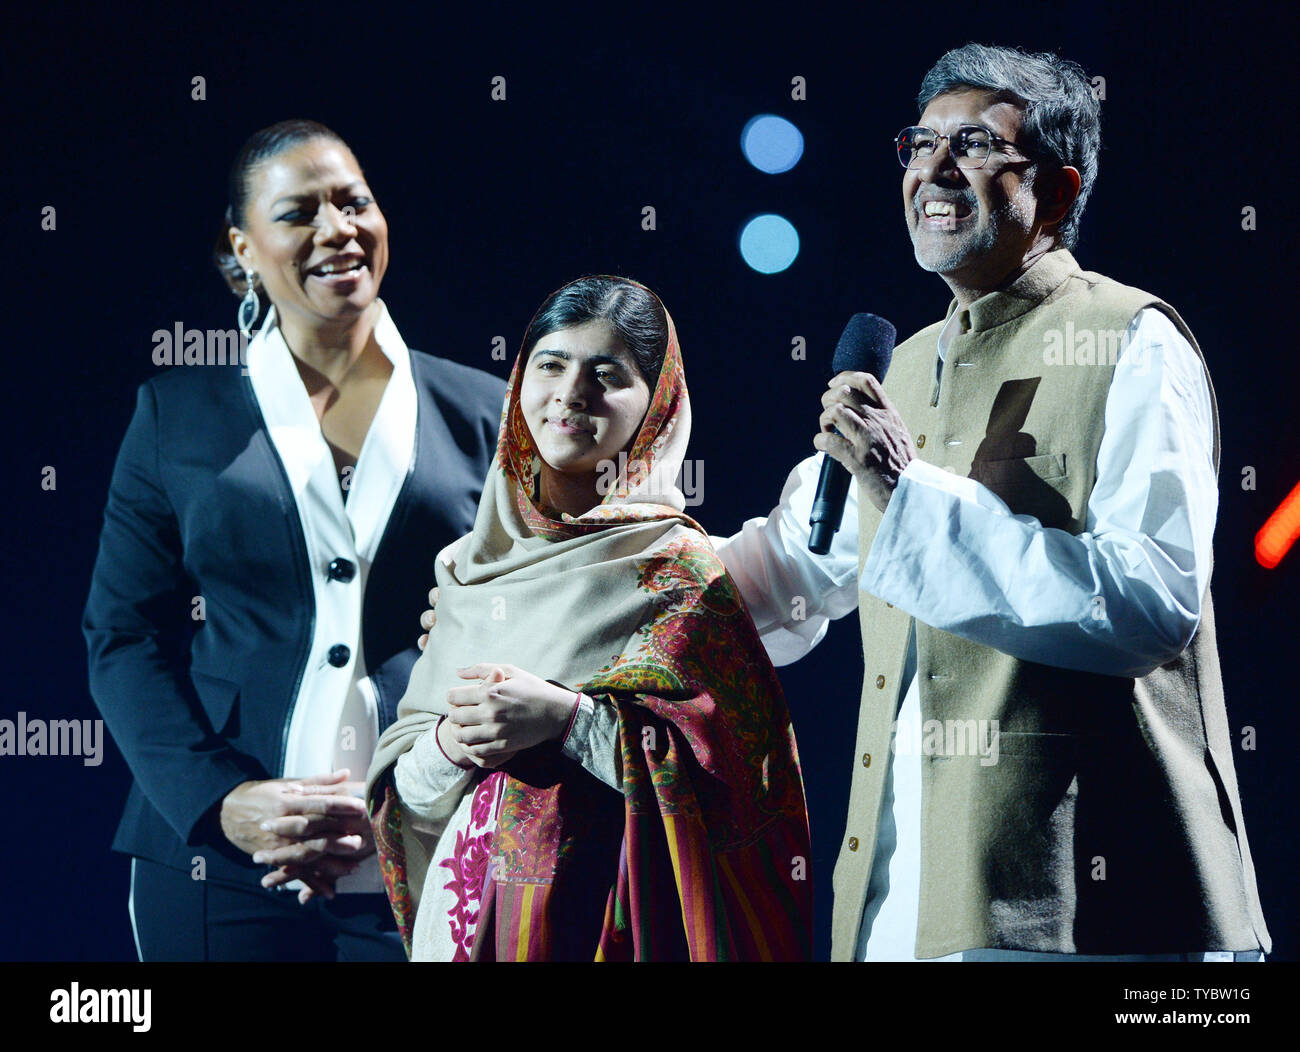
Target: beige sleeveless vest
1111, 822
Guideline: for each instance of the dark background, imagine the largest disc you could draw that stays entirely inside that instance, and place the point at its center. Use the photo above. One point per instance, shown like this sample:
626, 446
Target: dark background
492, 205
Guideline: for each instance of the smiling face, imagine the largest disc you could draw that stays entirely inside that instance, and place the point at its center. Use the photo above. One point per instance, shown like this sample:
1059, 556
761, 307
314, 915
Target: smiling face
583, 399
975, 227
314, 235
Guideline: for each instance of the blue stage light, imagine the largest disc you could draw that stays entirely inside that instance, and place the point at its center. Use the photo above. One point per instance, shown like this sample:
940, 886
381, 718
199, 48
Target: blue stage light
769, 243
771, 144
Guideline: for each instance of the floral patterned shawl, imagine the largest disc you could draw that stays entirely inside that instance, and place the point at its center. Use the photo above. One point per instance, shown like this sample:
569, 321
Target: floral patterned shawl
705, 856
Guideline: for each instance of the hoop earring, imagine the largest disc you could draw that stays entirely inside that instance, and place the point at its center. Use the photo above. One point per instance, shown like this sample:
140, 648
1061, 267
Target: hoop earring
249, 307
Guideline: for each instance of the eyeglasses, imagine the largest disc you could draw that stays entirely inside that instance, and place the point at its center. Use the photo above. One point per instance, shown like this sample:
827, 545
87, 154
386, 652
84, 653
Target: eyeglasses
970, 145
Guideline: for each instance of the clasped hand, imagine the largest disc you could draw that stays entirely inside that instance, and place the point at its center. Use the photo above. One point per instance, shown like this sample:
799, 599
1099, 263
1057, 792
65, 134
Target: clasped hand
507, 711
314, 829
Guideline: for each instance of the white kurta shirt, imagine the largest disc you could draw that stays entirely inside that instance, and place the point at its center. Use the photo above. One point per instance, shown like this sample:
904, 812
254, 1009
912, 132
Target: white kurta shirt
334, 722
1013, 585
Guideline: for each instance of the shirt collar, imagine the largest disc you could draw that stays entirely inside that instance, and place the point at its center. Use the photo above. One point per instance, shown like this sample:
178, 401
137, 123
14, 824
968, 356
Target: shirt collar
292, 423
1044, 276
386, 336
390, 340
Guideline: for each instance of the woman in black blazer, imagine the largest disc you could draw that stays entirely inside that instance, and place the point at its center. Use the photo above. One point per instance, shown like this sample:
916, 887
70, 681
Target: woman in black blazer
267, 546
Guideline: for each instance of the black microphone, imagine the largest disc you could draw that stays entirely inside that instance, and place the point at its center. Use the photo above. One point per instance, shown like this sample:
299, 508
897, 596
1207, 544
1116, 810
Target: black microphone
866, 346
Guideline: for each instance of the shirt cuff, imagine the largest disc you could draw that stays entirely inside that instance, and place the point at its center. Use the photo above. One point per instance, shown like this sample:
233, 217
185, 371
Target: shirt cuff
922, 473
579, 726
883, 574
428, 782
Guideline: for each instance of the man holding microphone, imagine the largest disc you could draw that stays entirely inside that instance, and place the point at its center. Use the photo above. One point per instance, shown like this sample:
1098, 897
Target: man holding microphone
1028, 542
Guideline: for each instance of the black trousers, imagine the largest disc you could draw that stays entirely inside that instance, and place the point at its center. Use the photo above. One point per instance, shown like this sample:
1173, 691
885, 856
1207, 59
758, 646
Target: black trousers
177, 918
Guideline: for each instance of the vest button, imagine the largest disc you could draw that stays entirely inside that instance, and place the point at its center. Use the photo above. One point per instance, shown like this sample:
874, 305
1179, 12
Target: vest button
339, 654
880, 683
920, 441
866, 759
853, 843
342, 570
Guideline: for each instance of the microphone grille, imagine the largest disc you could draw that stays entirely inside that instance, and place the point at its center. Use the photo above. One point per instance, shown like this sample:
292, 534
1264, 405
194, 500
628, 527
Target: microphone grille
866, 345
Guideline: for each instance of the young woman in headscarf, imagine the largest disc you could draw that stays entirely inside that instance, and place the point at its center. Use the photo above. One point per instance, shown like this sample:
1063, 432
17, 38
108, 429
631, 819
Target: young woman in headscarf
593, 759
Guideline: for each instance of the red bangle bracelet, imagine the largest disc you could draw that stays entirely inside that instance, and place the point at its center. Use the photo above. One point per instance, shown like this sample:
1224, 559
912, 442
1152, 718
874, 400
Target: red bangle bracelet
462, 766
573, 716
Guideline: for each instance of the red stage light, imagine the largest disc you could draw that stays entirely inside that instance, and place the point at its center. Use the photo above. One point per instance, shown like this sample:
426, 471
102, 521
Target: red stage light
1277, 535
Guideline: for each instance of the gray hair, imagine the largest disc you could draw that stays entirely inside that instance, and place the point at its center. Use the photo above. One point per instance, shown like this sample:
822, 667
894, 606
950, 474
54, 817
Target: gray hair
1062, 115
